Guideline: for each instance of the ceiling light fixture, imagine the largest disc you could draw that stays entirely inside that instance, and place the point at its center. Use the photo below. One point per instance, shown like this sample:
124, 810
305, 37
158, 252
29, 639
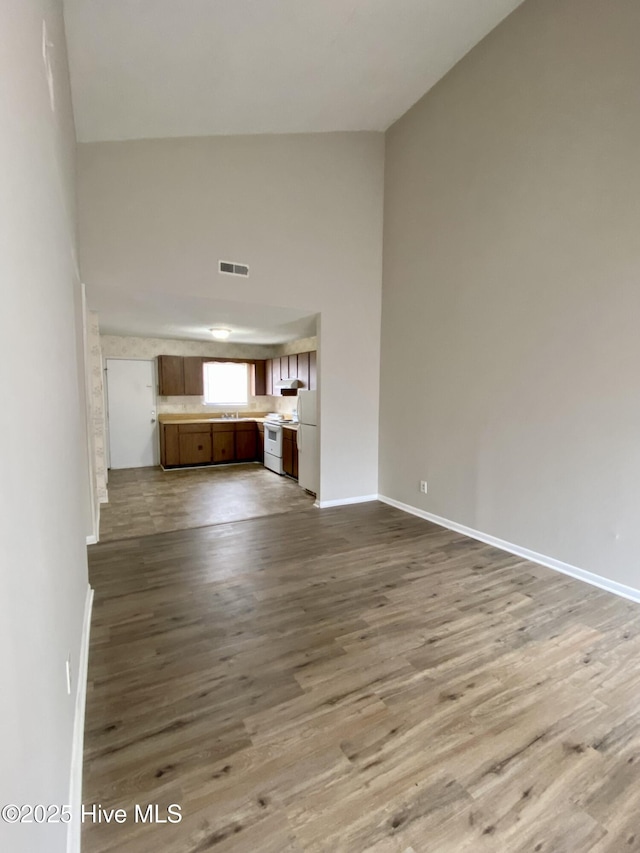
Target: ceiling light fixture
220, 334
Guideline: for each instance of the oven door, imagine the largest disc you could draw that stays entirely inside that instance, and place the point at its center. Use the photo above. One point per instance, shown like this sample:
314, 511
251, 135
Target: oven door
273, 439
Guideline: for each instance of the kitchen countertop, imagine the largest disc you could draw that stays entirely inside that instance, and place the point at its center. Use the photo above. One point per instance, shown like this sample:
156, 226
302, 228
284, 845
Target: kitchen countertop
198, 419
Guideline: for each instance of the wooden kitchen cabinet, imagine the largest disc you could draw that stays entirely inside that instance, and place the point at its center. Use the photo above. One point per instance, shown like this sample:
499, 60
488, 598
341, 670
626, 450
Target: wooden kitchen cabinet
171, 375
224, 444
169, 445
303, 369
290, 452
260, 442
195, 448
293, 367
268, 376
193, 376
246, 442
259, 379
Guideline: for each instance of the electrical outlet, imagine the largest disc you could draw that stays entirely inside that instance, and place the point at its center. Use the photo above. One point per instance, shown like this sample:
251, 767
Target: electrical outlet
423, 487
68, 667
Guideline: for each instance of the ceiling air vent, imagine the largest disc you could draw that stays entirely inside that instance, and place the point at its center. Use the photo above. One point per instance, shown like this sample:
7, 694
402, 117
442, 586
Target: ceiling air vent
233, 269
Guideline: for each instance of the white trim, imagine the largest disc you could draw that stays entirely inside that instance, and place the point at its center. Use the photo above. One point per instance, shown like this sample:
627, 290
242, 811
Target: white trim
75, 783
361, 499
95, 536
550, 562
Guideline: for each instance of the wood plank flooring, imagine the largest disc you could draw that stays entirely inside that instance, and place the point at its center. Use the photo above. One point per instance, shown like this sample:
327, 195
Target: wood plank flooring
143, 501
356, 679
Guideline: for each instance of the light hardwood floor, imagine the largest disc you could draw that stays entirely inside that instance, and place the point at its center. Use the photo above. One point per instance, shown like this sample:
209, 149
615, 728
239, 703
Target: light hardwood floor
356, 679
143, 501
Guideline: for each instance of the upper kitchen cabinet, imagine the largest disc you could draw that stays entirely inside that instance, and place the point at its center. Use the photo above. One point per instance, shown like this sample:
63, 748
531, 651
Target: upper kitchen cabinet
301, 366
193, 376
302, 369
171, 375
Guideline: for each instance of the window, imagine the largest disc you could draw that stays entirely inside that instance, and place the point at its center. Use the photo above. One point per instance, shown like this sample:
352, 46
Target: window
226, 383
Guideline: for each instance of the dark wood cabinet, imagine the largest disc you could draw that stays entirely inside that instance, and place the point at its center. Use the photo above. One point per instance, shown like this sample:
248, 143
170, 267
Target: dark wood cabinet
169, 445
259, 379
290, 452
206, 442
195, 448
246, 442
268, 376
303, 369
171, 375
275, 375
193, 376
224, 445
293, 367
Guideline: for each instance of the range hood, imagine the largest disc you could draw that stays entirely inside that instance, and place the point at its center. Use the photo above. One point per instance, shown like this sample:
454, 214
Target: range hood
288, 383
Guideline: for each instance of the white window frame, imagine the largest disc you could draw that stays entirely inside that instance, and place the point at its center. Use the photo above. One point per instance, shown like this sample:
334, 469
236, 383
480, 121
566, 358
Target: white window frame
228, 404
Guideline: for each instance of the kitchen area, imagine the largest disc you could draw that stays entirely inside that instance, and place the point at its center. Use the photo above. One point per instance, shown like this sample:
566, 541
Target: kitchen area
217, 457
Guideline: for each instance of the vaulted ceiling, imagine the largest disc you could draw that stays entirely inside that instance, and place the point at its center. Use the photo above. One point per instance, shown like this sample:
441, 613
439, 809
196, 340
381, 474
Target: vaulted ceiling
164, 68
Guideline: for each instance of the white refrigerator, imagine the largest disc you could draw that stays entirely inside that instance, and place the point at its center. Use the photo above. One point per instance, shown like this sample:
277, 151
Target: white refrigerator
308, 450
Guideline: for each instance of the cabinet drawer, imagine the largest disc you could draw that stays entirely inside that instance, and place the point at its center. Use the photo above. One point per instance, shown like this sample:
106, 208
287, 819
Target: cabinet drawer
242, 426
185, 429
222, 427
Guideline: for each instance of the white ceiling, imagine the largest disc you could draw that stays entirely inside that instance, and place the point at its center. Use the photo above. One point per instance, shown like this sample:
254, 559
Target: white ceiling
165, 68
167, 315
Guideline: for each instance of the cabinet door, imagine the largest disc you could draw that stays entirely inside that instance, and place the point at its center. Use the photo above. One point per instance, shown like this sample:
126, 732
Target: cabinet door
259, 384
246, 444
260, 443
284, 367
169, 445
275, 375
293, 367
295, 455
313, 371
224, 446
171, 375
287, 452
195, 448
303, 369
268, 370
193, 378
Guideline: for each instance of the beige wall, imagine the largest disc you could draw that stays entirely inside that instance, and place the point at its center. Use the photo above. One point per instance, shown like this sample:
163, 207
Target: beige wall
510, 345
305, 212
43, 439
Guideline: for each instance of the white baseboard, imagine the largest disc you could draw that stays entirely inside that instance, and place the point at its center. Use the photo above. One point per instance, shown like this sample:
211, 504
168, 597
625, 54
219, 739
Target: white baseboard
550, 562
95, 536
75, 782
361, 499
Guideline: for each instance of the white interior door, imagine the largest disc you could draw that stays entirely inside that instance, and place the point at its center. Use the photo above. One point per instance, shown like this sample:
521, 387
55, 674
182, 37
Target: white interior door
131, 400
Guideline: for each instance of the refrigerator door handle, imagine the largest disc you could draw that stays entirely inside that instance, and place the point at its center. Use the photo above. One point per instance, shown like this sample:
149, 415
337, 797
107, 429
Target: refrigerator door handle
299, 439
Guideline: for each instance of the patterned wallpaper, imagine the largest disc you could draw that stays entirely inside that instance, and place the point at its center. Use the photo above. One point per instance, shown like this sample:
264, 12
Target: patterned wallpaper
294, 347
115, 346
97, 412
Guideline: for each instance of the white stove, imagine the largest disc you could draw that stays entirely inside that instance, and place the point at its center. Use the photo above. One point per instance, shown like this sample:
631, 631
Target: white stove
273, 445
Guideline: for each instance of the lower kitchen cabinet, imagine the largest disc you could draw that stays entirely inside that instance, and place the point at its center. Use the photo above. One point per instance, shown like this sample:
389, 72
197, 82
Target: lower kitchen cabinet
205, 442
260, 442
195, 448
246, 443
223, 445
290, 452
